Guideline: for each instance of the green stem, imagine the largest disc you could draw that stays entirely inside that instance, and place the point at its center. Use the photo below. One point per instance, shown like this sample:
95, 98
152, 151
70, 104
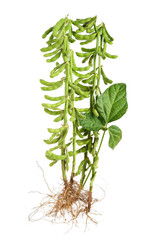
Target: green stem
74, 125
63, 151
96, 155
84, 169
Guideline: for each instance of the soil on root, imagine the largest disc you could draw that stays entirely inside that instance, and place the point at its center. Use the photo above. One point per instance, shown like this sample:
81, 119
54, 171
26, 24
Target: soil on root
70, 203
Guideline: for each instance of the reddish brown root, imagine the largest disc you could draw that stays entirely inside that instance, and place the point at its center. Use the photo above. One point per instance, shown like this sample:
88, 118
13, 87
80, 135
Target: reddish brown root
66, 206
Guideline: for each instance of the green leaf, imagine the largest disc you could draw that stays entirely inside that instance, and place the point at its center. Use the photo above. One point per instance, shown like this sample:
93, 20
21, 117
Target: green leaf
115, 135
91, 122
112, 103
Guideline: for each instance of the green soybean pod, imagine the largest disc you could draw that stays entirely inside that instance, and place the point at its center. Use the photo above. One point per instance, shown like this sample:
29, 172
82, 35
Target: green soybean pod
53, 59
73, 116
81, 21
53, 141
105, 79
81, 150
91, 60
88, 49
83, 87
52, 156
78, 26
67, 26
109, 36
90, 30
59, 118
52, 112
61, 31
100, 53
49, 42
90, 145
70, 39
86, 42
85, 59
82, 93
90, 23
58, 26
104, 34
52, 163
55, 45
54, 98
56, 68
87, 75
57, 130
78, 132
80, 167
53, 84
79, 115
104, 47
77, 81
83, 110
54, 106
47, 32
95, 112
63, 135
84, 37
81, 68
79, 98
110, 56
52, 136
73, 59
52, 75
82, 142
88, 54
88, 80
51, 53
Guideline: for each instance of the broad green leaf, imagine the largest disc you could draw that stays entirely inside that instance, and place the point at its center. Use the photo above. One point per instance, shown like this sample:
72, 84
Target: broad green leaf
91, 122
112, 103
115, 135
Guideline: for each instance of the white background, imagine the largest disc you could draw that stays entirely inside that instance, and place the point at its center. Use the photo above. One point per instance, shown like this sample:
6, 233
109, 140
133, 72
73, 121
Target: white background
130, 174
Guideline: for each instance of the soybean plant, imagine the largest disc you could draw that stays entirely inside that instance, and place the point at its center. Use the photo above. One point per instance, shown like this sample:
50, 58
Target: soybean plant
105, 107
60, 37
87, 123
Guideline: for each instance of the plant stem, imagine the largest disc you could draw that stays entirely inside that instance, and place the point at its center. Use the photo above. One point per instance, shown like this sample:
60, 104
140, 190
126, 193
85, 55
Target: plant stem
74, 125
84, 167
63, 151
96, 155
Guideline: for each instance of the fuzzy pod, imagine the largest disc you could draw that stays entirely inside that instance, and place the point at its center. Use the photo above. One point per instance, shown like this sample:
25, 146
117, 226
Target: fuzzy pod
58, 26
56, 68
55, 45
82, 21
54, 98
87, 75
95, 112
52, 112
57, 130
53, 141
86, 42
105, 36
110, 56
52, 156
54, 106
80, 167
59, 118
58, 71
86, 54
81, 68
53, 59
47, 32
84, 37
79, 115
82, 142
51, 53
79, 98
88, 80
105, 79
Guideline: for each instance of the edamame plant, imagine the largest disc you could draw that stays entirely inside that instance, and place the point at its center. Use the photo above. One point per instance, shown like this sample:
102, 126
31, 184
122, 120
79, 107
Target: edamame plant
80, 83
